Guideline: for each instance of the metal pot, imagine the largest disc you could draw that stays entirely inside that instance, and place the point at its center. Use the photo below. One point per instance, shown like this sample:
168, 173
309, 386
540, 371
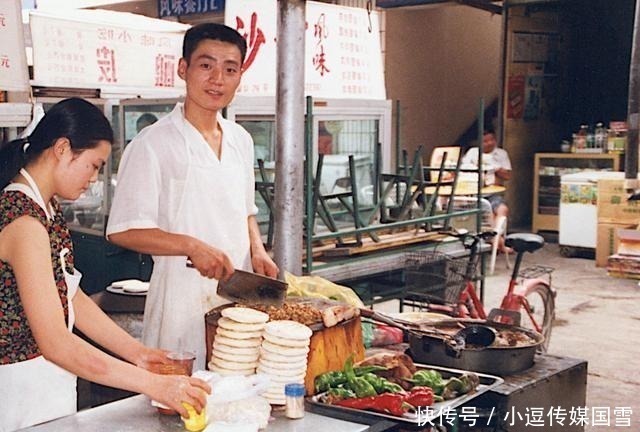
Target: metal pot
430, 349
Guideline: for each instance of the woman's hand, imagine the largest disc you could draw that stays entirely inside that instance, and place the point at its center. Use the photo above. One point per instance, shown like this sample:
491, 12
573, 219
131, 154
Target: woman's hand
173, 390
149, 358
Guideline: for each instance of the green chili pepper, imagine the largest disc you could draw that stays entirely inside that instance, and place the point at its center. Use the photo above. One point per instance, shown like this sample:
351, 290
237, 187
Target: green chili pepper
391, 387
329, 380
341, 393
429, 378
361, 370
358, 385
375, 381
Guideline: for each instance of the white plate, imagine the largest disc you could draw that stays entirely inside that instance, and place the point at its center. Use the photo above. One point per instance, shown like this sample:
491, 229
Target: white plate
120, 290
419, 317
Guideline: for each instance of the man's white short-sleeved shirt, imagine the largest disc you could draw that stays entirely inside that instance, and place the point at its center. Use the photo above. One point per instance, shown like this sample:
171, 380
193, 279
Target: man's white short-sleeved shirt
154, 167
497, 159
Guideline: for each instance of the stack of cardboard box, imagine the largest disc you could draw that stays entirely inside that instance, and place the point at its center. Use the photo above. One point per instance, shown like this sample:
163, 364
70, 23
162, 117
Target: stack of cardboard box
618, 243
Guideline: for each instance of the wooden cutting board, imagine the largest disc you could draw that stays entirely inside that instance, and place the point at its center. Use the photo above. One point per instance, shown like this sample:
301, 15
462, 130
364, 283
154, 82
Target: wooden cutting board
330, 348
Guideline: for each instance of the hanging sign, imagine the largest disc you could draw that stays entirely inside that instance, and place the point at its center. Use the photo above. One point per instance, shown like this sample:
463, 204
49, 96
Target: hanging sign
188, 7
97, 48
342, 56
14, 75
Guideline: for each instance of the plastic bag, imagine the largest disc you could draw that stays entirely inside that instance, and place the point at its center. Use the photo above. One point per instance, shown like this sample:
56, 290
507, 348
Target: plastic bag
236, 400
316, 286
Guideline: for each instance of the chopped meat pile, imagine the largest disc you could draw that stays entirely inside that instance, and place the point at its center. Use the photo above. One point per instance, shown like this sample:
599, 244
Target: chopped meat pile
400, 367
299, 312
511, 338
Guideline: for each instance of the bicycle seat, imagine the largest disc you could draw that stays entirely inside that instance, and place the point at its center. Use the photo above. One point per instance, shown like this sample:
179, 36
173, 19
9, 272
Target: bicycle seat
524, 242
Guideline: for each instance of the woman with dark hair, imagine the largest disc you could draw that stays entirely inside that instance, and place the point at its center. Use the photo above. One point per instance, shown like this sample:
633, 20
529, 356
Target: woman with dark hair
40, 301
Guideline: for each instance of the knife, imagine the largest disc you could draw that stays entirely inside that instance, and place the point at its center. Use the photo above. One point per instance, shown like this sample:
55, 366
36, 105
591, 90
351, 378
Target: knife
251, 288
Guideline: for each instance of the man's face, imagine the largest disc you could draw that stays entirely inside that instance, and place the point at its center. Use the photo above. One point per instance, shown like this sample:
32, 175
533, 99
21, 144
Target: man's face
489, 142
212, 74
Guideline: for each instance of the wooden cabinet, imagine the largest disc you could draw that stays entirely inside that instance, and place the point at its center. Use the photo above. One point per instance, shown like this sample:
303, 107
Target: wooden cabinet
548, 169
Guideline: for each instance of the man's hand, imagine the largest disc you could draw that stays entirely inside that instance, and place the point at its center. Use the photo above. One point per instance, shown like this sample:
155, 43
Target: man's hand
263, 264
211, 262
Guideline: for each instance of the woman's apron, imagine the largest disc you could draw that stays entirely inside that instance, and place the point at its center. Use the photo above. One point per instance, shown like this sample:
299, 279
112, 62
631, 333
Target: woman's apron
36, 390
211, 206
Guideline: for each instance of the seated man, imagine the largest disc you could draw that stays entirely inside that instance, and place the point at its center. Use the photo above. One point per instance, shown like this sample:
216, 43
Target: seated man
497, 166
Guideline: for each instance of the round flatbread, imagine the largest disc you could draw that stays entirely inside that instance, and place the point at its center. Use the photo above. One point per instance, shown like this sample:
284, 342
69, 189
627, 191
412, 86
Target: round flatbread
229, 324
288, 329
226, 372
245, 315
242, 358
233, 334
284, 365
279, 379
284, 350
217, 346
281, 372
232, 365
274, 399
291, 343
238, 343
275, 357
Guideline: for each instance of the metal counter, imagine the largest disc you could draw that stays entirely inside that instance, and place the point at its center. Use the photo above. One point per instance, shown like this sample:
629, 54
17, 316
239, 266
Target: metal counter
137, 414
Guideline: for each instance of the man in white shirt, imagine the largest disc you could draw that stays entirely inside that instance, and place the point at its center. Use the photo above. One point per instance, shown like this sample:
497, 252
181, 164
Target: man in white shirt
497, 167
185, 194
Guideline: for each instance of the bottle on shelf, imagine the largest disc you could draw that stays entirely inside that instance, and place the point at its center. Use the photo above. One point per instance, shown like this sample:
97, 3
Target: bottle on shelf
580, 138
601, 136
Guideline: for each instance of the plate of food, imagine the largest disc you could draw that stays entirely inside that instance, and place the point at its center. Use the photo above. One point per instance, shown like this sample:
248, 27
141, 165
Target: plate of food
133, 287
390, 385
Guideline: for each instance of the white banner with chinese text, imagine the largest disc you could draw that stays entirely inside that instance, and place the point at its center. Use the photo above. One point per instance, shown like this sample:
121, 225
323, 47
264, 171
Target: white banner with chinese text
14, 75
95, 48
343, 57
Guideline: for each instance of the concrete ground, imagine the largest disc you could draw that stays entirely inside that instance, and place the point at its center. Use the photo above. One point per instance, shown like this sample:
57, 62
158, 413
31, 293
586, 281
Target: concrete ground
597, 319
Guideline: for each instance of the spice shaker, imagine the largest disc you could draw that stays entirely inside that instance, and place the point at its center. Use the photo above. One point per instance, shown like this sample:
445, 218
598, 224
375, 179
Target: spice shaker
294, 400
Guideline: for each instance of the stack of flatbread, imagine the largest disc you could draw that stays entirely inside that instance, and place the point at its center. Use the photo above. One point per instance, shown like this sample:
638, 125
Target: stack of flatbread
236, 346
283, 356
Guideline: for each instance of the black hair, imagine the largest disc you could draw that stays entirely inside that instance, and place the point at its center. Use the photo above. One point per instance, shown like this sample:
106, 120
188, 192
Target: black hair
213, 31
488, 130
81, 122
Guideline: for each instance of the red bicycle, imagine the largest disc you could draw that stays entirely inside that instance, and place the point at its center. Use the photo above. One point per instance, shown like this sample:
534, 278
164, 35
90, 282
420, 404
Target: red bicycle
442, 283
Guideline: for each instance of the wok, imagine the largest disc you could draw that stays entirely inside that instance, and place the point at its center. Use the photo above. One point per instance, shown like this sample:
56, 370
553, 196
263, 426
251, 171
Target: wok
495, 360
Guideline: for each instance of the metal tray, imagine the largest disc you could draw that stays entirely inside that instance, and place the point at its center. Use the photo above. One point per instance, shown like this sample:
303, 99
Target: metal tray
487, 382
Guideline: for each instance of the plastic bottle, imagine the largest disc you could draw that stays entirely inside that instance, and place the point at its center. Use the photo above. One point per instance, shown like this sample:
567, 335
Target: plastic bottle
581, 138
601, 136
294, 399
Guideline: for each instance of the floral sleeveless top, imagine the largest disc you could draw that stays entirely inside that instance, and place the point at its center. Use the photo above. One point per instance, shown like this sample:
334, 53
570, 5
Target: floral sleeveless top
16, 340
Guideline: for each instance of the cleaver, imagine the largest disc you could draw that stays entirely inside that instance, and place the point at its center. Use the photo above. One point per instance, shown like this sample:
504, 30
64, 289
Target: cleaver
251, 288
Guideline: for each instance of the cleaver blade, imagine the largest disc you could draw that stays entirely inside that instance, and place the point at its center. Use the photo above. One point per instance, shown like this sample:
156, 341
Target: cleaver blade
251, 288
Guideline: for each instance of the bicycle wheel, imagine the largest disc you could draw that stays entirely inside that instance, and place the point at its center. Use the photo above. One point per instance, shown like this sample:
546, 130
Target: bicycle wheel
540, 306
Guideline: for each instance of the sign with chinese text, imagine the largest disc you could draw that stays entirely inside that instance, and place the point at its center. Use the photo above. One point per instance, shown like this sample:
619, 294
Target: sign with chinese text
342, 50
14, 75
187, 7
105, 49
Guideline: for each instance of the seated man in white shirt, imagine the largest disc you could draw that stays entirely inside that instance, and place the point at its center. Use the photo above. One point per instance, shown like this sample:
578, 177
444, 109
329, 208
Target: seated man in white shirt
496, 164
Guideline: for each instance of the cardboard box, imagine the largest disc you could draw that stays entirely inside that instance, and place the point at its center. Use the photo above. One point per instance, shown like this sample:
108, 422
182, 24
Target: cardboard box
629, 242
613, 204
607, 241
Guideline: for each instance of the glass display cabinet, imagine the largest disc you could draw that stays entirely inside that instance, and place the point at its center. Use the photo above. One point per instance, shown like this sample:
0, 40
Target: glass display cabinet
548, 169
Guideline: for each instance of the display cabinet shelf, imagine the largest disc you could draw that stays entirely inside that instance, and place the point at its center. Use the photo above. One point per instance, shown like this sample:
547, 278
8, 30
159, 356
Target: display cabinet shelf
549, 168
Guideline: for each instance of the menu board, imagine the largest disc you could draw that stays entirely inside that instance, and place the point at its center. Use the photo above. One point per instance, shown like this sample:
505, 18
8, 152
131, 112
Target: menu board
342, 56
14, 75
92, 49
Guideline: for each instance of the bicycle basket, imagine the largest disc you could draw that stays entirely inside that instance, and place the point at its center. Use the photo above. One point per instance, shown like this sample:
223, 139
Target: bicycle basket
435, 275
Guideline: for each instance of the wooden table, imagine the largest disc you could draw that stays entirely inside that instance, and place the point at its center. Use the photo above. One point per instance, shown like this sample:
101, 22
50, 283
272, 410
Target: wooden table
464, 189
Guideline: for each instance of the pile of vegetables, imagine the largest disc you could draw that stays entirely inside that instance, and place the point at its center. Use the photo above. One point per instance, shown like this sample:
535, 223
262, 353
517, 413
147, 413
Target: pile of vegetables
361, 387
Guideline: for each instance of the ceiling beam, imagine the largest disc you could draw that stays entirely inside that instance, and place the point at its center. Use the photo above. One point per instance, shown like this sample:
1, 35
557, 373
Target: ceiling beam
485, 5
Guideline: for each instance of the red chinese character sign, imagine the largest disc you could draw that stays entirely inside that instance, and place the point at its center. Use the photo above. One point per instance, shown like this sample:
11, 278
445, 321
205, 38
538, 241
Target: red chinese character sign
14, 75
342, 57
95, 48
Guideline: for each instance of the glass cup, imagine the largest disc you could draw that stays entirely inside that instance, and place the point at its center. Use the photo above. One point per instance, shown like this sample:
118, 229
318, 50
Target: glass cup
178, 363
